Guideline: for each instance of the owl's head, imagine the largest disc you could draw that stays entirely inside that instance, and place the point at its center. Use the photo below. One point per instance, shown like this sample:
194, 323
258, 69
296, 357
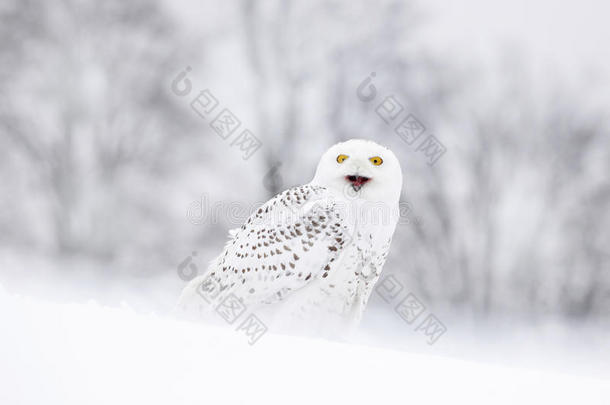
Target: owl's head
360, 168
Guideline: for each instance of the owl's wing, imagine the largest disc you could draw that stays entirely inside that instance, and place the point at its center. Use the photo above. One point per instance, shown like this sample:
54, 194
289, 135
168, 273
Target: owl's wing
291, 240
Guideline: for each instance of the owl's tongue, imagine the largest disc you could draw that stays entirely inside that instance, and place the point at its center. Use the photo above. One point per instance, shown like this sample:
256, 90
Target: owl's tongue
357, 181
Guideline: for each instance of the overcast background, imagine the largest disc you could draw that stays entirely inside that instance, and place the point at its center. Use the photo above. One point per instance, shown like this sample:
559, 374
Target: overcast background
110, 180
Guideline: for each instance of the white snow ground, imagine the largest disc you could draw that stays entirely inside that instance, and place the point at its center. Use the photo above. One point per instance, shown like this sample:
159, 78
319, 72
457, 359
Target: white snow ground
89, 354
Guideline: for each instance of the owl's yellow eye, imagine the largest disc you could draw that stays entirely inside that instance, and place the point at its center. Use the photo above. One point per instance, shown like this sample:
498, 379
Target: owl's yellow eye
376, 160
341, 158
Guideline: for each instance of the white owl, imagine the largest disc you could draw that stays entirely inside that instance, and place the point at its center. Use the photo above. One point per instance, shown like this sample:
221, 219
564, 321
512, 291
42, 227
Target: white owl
310, 256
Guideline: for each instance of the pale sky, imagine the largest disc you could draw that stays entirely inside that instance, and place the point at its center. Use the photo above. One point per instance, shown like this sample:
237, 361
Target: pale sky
572, 36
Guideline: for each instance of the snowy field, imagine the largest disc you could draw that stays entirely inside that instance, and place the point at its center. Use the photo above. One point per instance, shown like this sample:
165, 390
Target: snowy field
58, 353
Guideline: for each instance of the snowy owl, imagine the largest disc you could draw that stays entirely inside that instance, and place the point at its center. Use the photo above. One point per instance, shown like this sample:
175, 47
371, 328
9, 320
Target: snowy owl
312, 254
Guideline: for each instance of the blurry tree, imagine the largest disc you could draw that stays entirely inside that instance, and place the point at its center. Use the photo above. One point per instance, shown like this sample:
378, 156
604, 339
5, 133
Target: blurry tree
86, 112
515, 214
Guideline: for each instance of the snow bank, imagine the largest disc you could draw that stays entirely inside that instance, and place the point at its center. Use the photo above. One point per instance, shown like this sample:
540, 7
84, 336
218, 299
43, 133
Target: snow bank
76, 354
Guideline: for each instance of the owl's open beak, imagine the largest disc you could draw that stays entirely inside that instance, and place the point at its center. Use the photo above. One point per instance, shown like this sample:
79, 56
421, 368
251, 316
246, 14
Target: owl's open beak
357, 181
